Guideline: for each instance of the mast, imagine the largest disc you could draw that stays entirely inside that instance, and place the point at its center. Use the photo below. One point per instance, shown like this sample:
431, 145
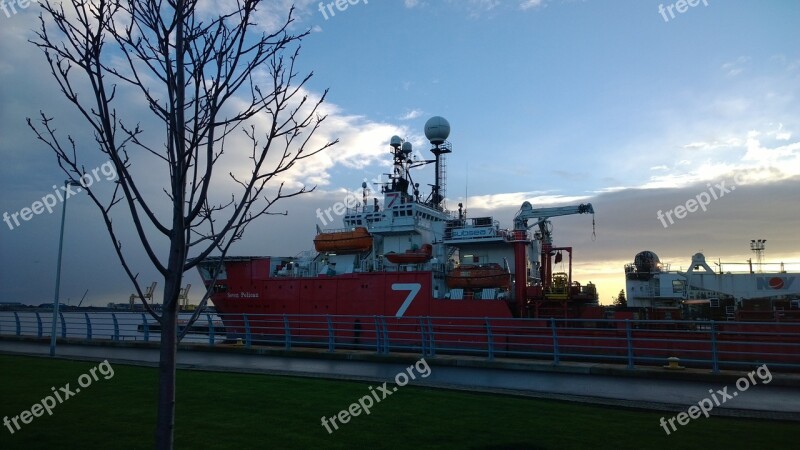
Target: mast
437, 130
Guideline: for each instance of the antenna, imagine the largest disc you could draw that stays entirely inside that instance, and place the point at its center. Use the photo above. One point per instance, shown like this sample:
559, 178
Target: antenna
466, 192
437, 130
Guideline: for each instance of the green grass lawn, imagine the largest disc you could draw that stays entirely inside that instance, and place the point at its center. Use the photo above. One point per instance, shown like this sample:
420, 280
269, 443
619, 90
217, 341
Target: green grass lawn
244, 411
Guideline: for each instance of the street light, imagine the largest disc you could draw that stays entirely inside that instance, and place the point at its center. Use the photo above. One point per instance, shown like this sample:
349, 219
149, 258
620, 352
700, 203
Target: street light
58, 268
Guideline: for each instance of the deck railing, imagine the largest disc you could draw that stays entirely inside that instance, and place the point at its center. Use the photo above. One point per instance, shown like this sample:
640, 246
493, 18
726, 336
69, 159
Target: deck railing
699, 344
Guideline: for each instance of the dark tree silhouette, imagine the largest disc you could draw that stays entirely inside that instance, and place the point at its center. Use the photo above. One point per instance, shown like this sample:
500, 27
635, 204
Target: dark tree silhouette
621, 301
202, 78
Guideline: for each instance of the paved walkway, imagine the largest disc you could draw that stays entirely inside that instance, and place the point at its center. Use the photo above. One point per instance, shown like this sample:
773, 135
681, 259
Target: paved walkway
588, 383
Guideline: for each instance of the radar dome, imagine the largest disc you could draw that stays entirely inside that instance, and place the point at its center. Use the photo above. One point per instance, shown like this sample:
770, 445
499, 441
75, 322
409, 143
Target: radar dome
395, 141
407, 147
647, 262
437, 129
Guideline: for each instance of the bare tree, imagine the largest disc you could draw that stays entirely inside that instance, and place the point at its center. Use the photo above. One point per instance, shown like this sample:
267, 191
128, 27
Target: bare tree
199, 76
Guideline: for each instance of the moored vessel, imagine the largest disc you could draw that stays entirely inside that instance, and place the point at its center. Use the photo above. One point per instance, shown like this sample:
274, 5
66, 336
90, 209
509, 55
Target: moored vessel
409, 255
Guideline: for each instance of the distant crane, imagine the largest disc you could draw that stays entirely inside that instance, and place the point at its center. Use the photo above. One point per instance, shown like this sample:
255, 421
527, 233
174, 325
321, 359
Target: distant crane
148, 294
83, 298
183, 297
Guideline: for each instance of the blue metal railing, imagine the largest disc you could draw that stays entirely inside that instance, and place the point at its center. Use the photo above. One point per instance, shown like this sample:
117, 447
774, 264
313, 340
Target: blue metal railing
702, 344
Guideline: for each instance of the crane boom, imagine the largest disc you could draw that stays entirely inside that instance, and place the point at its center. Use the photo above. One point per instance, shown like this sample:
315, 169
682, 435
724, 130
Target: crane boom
527, 211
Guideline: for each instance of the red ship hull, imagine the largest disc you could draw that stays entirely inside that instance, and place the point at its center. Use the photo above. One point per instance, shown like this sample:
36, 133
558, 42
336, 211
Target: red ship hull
397, 294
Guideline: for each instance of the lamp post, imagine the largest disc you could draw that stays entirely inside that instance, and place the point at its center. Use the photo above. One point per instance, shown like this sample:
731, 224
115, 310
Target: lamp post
58, 269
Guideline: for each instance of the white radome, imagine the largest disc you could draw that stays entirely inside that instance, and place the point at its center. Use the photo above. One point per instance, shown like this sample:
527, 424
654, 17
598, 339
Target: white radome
437, 129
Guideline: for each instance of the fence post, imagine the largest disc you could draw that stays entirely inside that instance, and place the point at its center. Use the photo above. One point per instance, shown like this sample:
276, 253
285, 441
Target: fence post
331, 341
432, 338
287, 333
714, 361
39, 324
19, 327
116, 326
210, 330
489, 339
145, 328
556, 357
385, 336
88, 327
247, 341
63, 325
630, 343
377, 335
423, 337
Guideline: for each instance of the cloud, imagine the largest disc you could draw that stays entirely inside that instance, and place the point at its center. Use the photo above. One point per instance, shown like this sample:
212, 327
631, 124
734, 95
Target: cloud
736, 67
476, 8
537, 198
412, 114
529, 4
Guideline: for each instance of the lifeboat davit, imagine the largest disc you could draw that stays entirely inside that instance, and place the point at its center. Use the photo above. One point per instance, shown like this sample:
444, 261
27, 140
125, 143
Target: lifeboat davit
411, 256
478, 276
351, 241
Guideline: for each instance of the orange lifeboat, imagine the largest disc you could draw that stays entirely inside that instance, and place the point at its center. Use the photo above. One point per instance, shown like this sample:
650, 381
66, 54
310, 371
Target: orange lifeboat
479, 276
350, 241
411, 256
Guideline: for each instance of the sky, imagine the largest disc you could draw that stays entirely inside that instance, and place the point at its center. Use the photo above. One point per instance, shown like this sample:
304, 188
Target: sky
634, 106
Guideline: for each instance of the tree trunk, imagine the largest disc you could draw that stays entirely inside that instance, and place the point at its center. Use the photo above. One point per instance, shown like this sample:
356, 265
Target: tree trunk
166, 371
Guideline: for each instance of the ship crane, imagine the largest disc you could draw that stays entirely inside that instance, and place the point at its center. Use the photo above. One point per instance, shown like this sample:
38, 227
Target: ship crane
541, 218
527, 212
